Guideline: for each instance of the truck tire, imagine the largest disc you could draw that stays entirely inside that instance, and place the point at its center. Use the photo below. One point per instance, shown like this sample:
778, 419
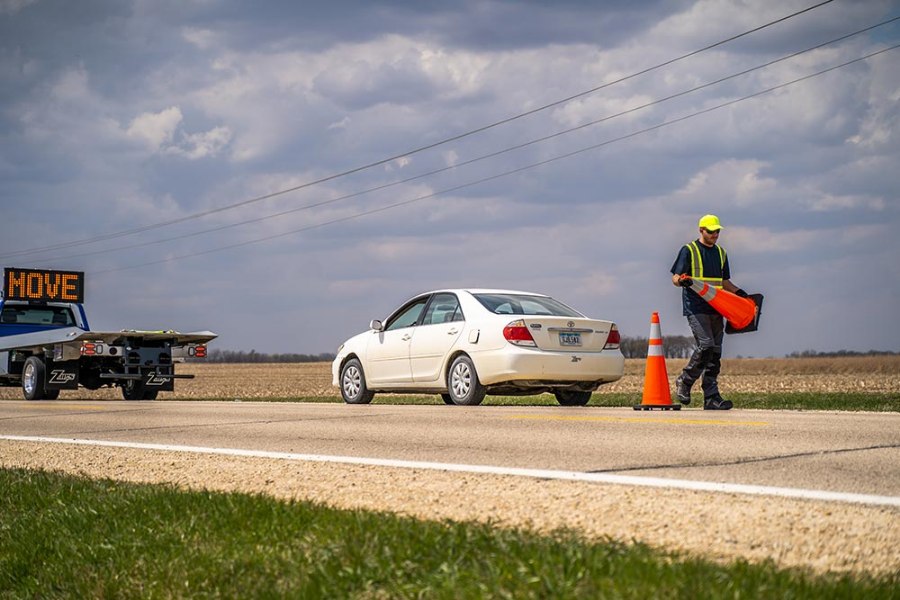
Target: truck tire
134, 389
572, 397
33, 381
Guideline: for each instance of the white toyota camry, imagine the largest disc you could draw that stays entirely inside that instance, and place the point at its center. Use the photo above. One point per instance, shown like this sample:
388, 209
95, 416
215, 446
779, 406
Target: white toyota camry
464, 344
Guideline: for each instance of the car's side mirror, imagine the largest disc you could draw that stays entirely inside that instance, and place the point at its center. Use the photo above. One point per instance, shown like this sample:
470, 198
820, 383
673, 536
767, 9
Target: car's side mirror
376, 325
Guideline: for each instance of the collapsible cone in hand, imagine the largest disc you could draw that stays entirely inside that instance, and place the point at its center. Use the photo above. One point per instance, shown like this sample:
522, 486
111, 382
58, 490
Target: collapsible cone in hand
740, 312
656, 379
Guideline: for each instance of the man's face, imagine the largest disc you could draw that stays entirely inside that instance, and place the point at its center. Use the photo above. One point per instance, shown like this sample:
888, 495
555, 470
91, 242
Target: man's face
708, 238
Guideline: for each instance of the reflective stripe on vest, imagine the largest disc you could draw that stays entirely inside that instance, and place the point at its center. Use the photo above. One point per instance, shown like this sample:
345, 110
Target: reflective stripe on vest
697, 265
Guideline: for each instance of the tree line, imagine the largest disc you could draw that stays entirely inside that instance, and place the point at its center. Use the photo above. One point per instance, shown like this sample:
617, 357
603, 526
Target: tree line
242, 356
674, 346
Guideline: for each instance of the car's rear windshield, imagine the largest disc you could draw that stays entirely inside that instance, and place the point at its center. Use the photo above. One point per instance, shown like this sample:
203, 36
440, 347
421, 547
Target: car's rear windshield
523, 304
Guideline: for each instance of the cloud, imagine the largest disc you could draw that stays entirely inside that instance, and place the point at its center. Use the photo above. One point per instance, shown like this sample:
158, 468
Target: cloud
147, 111
156, 129
10, 7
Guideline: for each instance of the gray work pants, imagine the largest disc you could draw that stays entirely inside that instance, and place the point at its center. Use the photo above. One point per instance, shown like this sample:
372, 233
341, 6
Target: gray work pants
706, 361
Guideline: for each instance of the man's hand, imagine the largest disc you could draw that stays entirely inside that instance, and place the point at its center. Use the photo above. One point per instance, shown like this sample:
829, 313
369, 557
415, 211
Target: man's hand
685, 281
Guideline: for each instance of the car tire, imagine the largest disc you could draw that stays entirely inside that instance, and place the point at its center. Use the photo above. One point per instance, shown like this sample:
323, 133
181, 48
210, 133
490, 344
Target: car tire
33, 387
447, 398
353, 383
572, 397
463, 385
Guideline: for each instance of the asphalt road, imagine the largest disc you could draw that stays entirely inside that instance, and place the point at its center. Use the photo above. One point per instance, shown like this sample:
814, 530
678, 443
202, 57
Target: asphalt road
841, 452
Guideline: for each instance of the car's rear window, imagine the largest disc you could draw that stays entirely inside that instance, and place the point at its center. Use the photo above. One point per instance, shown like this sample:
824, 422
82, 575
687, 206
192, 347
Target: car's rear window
523, 304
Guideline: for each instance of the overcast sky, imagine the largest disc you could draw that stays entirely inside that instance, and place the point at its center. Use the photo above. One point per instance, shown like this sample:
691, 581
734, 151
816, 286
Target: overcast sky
123, 115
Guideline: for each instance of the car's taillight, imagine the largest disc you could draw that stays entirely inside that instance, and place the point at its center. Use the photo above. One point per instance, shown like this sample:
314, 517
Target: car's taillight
612, 340
517, 333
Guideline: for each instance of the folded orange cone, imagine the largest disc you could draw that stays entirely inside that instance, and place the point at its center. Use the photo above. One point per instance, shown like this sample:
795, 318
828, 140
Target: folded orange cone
656, 379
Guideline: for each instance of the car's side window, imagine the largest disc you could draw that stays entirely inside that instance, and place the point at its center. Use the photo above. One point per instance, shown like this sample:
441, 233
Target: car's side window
443, 308
408, 315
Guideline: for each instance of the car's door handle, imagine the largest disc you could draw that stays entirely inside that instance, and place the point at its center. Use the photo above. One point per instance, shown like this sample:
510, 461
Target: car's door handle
406, 337
453, 331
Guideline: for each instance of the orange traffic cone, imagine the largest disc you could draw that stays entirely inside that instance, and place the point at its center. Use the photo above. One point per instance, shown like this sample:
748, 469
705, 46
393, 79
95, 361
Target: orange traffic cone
740, 312
656, 379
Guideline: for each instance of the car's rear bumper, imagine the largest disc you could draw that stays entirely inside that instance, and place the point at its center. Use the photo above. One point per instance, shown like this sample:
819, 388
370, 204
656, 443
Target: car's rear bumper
518, 364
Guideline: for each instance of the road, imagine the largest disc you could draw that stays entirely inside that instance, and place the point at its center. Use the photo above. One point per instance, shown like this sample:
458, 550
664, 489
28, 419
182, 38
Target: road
853, 453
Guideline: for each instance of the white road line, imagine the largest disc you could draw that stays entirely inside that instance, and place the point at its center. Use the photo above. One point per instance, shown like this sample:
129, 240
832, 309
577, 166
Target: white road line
657, 482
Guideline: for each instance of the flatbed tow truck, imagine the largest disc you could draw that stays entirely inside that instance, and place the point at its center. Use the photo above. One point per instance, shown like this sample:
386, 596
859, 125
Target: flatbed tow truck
46, 344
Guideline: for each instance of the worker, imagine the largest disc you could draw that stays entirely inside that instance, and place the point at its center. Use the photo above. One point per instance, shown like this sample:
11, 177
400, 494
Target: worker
704, 260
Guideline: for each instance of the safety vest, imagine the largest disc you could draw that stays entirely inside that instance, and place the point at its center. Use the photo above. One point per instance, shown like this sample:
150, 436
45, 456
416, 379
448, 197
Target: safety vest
697, 265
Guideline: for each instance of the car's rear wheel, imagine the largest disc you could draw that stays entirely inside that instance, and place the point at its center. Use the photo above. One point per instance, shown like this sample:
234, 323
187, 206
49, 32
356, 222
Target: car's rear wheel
447, 398
353, 383
462, 382
572, 397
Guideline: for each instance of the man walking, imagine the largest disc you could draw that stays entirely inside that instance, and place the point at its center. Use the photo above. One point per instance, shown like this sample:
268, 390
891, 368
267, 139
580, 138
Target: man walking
704, 260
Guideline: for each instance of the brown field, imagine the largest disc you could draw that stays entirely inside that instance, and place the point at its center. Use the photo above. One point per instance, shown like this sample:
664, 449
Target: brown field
238, 381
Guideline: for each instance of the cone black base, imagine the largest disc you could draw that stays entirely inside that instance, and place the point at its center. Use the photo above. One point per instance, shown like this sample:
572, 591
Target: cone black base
657, 407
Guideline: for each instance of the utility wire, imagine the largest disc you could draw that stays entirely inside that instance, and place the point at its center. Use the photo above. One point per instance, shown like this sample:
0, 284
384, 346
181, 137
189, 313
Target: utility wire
505, 173
476, 159
383, 161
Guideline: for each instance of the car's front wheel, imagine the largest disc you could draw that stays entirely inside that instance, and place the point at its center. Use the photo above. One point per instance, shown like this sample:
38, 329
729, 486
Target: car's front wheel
353, 383
463, 385
572, 397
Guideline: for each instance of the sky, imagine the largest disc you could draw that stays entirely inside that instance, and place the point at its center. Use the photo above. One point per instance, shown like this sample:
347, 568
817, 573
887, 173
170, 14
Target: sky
283, 172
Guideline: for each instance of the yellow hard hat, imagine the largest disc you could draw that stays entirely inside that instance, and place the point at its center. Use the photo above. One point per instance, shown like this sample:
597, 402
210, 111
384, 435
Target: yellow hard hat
710, 223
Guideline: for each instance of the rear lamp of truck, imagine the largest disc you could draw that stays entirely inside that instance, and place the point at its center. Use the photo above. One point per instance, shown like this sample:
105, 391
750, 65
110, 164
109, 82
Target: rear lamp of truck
91, 349
197, 351
613, 339
517, 333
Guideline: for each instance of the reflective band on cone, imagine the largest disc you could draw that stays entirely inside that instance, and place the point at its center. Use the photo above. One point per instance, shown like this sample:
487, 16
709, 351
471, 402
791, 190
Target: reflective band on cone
656, 379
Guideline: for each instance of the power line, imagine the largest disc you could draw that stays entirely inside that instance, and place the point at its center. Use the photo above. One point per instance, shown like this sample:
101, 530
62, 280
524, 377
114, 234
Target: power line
505, 173
383, 161
479, 158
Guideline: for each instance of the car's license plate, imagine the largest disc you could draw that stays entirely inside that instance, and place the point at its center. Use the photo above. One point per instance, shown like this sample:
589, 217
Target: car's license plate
570, 338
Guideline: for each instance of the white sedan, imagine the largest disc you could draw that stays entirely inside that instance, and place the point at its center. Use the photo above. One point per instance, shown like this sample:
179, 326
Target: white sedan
464, 344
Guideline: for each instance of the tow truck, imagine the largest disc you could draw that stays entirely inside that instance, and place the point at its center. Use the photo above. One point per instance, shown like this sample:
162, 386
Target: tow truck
46, 344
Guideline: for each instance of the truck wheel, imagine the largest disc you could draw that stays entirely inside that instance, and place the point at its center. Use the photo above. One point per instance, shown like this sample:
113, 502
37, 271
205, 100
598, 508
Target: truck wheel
33, 381
572, 397
134, 389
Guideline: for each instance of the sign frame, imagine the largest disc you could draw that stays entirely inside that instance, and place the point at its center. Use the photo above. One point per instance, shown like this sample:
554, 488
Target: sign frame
43, 285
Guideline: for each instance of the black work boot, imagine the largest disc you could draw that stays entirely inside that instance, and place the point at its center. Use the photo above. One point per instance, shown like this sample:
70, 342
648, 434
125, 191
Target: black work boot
717, 402
682, 391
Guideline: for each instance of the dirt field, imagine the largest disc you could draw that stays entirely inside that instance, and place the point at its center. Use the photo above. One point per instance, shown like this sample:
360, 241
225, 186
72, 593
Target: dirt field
238, 381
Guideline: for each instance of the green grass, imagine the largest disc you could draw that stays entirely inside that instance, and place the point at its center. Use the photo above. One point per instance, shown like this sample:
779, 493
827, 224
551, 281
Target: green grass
68, 537
856, 401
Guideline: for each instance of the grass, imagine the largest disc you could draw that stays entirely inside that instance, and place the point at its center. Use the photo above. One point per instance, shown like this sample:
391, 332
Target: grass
64, 536
856, 401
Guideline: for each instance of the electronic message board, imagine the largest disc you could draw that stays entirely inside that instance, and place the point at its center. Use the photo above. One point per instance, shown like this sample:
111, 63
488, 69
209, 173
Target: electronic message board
42, 285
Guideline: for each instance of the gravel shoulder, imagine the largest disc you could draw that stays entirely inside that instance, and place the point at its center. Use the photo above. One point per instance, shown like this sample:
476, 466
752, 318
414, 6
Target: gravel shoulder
818, 536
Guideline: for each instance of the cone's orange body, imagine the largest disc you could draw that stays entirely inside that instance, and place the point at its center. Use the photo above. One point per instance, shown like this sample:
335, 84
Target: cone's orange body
740, 312
656, 379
